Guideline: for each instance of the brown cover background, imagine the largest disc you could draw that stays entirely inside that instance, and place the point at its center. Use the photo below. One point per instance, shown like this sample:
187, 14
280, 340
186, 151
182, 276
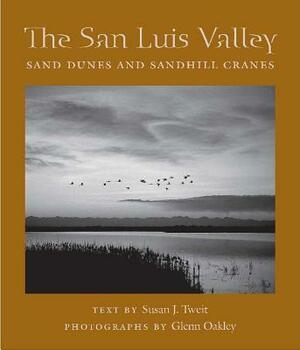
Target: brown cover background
36, 321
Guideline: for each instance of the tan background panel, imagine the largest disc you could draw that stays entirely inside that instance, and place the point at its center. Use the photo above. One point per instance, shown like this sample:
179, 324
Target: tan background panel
36, 321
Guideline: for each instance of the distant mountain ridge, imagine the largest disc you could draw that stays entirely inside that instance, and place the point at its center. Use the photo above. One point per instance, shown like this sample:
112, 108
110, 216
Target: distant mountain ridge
32, 221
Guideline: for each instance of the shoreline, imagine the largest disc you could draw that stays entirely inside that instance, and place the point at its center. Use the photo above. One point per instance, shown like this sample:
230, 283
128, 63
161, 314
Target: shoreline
165, 229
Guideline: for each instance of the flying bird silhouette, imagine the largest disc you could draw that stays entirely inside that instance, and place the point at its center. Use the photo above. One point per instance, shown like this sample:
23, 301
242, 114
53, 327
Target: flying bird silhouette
161, 181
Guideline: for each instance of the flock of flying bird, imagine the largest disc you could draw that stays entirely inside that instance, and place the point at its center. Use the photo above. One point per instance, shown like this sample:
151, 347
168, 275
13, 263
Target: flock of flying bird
163, 182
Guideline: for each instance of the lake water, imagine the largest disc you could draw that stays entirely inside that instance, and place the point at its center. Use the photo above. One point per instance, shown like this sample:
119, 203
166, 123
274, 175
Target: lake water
229, 262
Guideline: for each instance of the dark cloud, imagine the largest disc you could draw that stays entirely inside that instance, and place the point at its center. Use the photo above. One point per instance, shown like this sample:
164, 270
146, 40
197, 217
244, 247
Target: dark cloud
40, 163
249, 151
254, 111
221, 120
192, 136
215, 203
70, 118
48, 150
149, 136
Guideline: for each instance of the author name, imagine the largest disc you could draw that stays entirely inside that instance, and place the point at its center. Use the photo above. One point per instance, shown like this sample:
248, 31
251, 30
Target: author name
146, 309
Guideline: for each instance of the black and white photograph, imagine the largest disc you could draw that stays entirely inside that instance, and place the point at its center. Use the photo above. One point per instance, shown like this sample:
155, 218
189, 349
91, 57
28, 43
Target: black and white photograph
150, 189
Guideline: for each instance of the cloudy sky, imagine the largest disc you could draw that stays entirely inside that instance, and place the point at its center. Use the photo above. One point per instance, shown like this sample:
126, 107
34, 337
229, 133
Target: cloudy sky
222, 136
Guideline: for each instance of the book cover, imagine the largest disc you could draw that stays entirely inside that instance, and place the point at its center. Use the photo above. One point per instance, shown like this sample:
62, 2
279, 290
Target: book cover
148, 175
